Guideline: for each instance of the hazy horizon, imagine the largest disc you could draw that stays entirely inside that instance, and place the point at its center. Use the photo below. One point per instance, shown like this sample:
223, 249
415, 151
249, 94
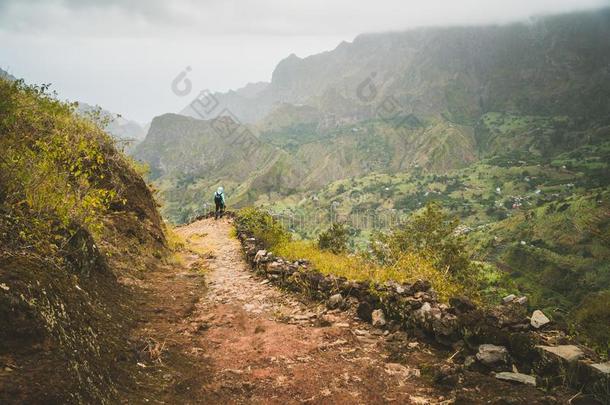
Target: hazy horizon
227, 45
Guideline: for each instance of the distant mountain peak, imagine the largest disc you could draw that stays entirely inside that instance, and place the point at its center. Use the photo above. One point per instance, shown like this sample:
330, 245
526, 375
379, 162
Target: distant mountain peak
6, 75
120, 127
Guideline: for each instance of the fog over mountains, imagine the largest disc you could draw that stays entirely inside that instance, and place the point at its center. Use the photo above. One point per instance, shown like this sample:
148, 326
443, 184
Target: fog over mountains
388, 102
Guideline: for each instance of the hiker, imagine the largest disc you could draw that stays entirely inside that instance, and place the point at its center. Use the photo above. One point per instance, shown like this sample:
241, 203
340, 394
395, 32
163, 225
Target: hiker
219, 201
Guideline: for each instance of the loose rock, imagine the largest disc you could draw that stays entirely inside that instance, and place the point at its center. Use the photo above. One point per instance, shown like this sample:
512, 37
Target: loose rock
602, 367
421, 285
365, 311
521, 300
493, 356
569, 353
260, 255
400, 370
509, 298
335, 301
378, 318
539, 319
462, 304
516, 377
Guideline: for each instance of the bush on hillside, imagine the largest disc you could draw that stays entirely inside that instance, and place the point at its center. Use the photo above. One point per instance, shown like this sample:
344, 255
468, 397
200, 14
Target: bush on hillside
431, 234
335, 238
409, 267
263, 227
55, 169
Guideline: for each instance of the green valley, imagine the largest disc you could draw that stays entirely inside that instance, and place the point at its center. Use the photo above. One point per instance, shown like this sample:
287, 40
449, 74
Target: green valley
506, 127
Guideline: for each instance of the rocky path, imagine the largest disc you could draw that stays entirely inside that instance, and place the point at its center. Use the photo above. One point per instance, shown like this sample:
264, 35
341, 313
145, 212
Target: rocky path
212, 332
221, 335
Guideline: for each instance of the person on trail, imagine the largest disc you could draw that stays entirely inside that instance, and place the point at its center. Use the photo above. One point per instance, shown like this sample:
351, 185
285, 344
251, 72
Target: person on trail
219, 201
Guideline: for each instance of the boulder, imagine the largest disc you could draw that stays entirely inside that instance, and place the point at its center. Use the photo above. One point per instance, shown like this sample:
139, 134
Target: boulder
539, 319
509, 298
276, 267
365, 311
401, 289
446, 326
421, 314
421, 285
462, 304
412, 303
493, 356
260, 255
378, 318
435, 312
569, 353
516, 377
335, 301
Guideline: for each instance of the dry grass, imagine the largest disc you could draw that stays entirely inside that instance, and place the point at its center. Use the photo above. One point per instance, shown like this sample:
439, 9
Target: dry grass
199, 266
174, 240
408, 269
196, 237
152, 350
202, 250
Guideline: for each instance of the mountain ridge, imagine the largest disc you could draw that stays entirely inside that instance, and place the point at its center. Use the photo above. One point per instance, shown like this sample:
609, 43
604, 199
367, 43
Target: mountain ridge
488, 59
435, 98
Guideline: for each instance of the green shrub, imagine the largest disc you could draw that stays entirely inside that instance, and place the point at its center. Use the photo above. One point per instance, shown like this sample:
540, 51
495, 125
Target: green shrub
431, 234
263, 227
55, 169
334, 238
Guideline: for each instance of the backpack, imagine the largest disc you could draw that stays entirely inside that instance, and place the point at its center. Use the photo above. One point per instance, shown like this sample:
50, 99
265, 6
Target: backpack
218, 198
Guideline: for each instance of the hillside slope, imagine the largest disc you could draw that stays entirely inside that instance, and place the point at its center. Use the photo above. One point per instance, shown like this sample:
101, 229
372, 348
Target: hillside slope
543, 223
189, 157
77, 223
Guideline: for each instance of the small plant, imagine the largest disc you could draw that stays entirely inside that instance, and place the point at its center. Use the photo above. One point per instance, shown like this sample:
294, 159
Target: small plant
334, 238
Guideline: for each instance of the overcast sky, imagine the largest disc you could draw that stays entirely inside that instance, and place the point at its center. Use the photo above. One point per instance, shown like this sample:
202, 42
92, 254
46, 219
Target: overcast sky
123, 55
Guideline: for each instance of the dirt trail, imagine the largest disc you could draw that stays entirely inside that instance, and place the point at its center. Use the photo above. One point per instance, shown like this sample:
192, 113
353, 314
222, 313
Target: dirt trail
212, 332
236, 339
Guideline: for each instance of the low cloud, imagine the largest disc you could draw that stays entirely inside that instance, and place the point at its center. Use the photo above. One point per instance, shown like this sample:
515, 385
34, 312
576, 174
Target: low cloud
123, 54
265, 17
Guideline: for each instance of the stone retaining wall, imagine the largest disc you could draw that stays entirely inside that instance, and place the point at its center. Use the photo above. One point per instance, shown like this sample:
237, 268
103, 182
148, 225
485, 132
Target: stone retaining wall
490, 339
